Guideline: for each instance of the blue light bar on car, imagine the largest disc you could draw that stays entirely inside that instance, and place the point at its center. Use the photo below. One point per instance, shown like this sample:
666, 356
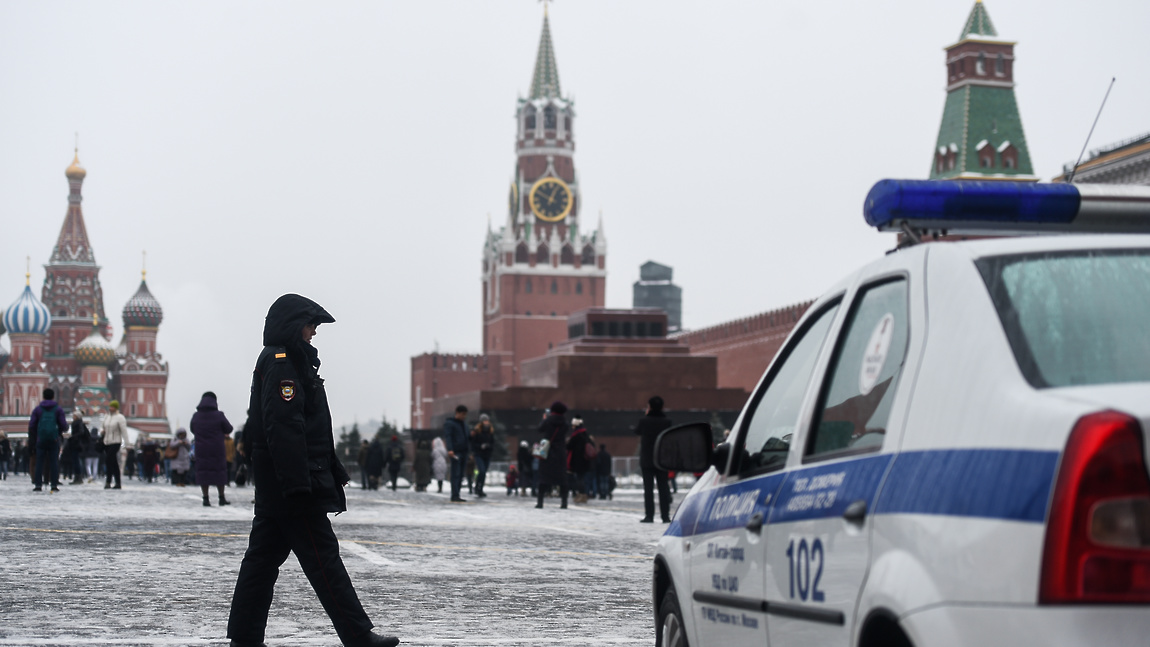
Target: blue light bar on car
998, 207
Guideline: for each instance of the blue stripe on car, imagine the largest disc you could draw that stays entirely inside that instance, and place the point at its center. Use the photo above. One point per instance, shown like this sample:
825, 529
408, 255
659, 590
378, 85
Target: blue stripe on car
987, 483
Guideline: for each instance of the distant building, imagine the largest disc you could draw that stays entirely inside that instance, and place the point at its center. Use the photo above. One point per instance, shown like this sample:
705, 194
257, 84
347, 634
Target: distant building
62, 339
981, 135
543, 264
1125, 162
654, 289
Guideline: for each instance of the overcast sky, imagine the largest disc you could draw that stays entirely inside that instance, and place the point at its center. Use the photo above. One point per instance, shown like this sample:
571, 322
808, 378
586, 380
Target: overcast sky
352, 152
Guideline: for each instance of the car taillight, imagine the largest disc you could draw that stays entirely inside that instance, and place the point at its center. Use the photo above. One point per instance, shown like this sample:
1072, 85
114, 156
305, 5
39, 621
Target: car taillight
1098, 530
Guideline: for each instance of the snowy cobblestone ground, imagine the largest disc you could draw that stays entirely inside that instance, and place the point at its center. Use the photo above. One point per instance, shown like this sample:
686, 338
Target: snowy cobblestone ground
149, 565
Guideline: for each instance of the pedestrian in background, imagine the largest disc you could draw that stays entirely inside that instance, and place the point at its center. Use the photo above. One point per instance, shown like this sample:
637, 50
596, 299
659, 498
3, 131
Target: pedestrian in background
512, 479
115, 432
650, 426
395, 458
482, 444
456, 439
376, 461
149, 457
553, 467
47, 422
180, 450
361, 460
439, 460
526, 475
5, 455
421, 465
580, 459
77, 441
603, 472
230, 456
299, 480
211, 427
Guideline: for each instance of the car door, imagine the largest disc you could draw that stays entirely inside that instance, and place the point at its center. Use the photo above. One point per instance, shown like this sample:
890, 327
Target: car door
818, 538
727, 549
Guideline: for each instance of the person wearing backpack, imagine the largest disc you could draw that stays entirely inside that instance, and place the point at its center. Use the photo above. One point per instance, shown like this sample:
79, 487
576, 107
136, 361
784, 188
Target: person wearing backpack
115, 431
395, 456
48, 424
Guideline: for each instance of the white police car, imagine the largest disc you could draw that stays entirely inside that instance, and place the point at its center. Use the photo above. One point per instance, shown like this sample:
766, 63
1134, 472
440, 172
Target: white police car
950, 448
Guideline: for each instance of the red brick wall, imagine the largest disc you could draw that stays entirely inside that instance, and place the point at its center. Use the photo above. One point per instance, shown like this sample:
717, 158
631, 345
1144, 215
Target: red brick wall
435, 375
745, 347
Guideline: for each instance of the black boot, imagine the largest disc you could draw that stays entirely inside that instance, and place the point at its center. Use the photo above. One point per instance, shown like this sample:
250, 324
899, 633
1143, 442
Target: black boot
207, 502
224, 501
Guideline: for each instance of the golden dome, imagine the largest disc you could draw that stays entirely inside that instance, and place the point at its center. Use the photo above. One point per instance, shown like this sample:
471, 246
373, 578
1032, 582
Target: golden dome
75, 171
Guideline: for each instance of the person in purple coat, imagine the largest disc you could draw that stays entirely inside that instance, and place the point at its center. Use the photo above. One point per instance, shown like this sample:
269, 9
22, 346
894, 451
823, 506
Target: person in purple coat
210, 426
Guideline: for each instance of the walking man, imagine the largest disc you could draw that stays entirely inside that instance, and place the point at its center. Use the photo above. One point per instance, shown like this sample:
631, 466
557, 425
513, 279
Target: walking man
455, 435
115, 432
649, 428
299, 480
47, 423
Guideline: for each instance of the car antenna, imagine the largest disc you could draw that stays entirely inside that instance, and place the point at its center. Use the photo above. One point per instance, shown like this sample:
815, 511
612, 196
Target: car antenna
1070, 177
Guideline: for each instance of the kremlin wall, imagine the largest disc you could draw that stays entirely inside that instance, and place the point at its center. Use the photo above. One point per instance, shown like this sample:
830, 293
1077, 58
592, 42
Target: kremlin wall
63, 339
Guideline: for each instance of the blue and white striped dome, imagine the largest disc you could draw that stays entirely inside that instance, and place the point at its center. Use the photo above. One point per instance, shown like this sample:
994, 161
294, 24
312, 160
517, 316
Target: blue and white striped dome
27, 315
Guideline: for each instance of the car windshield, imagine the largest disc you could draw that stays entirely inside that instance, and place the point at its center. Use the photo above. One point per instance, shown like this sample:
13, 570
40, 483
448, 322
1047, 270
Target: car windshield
1074, 318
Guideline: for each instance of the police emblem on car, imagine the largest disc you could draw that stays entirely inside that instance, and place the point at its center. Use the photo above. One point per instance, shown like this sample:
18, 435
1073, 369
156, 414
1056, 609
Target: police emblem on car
287, 390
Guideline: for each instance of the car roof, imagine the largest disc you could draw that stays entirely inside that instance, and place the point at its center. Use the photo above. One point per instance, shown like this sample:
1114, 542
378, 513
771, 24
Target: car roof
1051, 243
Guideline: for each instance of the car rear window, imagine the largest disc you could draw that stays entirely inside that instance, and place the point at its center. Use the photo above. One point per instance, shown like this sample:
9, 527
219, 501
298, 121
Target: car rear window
1074, 318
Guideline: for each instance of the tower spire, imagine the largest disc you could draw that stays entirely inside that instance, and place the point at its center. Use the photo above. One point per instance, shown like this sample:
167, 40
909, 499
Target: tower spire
545, 81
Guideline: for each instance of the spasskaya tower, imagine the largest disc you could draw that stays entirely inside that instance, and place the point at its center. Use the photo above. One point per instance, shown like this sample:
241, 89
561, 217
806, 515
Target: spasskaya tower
542, 265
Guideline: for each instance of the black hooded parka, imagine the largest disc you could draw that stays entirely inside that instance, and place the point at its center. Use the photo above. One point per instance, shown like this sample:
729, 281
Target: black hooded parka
289, 431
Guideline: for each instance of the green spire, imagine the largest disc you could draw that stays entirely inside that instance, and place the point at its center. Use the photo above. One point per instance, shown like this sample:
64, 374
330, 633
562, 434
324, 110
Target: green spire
978, 23
545, 82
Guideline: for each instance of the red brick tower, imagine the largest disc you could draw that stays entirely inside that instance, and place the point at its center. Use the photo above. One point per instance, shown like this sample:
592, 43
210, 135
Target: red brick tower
541, 266
72, 293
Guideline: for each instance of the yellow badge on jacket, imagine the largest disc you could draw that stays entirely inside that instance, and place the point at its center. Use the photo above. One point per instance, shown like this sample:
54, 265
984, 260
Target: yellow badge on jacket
287, 390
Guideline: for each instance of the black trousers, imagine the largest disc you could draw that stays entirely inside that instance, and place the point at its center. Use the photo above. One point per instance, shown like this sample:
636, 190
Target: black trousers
314, 543
651, 477
112, 464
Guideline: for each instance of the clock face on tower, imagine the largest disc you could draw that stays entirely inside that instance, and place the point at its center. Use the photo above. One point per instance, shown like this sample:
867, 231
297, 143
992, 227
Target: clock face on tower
551, 199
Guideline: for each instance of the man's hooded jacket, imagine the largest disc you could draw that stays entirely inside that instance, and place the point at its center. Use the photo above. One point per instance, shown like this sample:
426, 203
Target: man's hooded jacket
289, 429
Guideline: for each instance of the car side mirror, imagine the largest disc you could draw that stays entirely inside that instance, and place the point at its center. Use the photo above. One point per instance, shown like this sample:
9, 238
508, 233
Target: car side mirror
686, 448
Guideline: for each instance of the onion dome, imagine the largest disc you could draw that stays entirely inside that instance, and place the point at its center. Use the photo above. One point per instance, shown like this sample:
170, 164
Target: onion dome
143, 309
95, 350
27, 315
75, 171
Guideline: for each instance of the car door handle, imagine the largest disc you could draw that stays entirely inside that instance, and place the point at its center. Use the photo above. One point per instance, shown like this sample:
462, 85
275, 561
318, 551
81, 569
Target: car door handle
755, 524
856, 512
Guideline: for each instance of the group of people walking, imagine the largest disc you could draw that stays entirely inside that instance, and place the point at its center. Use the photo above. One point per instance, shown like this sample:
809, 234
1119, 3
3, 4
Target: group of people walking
52, 439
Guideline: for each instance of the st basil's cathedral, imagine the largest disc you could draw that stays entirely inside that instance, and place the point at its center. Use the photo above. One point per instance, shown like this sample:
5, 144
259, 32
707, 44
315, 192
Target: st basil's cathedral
62, 340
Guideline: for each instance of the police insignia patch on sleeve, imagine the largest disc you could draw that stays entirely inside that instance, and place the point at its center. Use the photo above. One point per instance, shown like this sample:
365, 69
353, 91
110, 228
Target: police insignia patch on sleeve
287, 390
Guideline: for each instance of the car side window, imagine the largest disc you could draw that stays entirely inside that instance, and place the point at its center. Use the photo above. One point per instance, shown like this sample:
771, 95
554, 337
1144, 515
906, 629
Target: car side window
775, 416
856, 400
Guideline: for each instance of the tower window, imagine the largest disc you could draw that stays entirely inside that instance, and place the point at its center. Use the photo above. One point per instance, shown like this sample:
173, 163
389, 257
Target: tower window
549, 118
521, 253
1000, 65
980, 66
529, 121
567, 256
588, 255
543, 255
579, 287
554, 287
528, 288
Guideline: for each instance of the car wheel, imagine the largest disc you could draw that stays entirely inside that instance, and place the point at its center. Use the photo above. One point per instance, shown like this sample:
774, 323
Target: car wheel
671, 628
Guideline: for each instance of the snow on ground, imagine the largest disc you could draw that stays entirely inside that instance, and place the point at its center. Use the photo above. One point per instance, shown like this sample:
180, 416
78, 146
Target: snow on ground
149, 565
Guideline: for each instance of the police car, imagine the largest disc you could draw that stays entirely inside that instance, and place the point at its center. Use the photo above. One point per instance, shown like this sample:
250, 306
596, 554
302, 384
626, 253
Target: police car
949, 449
